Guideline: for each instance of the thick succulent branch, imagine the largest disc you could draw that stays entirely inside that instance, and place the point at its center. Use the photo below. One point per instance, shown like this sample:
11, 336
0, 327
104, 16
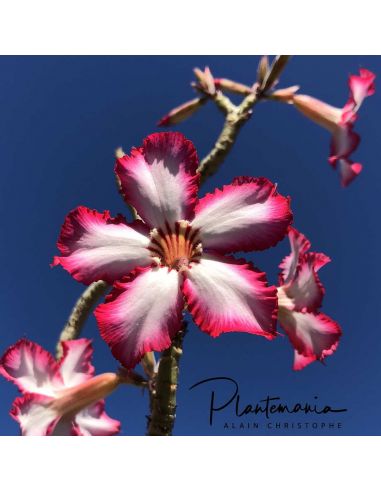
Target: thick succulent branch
164, 388
80, 312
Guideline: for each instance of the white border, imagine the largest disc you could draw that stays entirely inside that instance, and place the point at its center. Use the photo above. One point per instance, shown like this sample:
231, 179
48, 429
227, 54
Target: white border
233, 464
197, 27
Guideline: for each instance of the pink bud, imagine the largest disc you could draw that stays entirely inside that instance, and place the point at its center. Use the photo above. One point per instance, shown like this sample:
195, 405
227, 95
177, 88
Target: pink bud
182, 112
206, 81
285, 95
262, 70
232, 86
274, 72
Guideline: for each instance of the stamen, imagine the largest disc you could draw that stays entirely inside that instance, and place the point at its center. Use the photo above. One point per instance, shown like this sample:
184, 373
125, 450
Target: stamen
175, 247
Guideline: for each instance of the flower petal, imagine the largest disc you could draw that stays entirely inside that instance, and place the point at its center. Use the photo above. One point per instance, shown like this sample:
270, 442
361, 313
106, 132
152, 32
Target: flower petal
159, 179
95, 246
313, 336
299, 245
246, 215
142, 314
361, 86
34, 415
225, 294
344, 142
31, 368
75, 365
318, 111
94, 421
305, 290
302, 361
348, 170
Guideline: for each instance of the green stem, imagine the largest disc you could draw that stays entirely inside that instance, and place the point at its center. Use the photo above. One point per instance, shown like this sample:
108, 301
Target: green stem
80, 313
163, 393
235, 118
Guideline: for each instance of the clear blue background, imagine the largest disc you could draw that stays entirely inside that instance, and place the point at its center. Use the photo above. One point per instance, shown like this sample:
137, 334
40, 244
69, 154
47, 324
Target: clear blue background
61, 119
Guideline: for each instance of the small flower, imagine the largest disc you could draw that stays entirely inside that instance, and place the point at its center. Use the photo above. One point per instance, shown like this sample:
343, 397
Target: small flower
59, 398
340, 122
313, 335
175, 257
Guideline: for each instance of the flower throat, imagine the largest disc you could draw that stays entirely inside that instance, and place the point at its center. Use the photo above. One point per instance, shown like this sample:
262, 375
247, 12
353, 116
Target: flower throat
176, 247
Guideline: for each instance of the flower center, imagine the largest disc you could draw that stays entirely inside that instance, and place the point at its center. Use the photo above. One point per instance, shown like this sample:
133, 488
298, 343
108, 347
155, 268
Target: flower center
177, 246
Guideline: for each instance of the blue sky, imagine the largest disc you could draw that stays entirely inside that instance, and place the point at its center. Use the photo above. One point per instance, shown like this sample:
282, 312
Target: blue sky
61, 119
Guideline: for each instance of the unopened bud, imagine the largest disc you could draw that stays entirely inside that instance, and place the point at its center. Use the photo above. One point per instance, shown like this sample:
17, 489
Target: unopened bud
206, 81
199, 74
228, 85
285, 95
263, 68
182, 112
274, 72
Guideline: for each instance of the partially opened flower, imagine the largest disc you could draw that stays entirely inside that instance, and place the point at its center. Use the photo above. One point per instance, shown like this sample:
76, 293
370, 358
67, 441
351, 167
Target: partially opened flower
340, 122
313, 335
59, 398
175, 256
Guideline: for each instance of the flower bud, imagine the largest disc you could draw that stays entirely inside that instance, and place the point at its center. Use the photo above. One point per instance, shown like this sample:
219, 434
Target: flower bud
206, 81
263, 68
182, 112
274, 72
285, 95
232, 86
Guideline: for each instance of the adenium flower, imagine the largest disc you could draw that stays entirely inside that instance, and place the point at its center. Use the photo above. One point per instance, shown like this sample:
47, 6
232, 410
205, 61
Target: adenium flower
340, 122
59, 398
313, 335
176, 255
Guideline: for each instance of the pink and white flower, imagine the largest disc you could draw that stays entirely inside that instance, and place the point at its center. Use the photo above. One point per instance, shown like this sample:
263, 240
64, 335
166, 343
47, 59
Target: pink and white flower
313, 335
59, 398
340, 122
174, 257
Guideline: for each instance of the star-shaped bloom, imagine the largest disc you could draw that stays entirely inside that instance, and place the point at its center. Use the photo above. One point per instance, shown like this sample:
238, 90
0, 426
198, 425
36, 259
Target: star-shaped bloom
313, 335
176, 255
59, 398
340, 122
